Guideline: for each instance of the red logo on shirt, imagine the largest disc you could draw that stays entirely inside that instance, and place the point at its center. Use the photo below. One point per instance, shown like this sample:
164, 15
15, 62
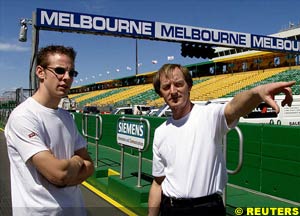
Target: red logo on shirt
31, 135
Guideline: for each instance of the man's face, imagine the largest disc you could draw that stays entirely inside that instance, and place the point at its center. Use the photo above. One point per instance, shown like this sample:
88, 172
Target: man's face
174, 89
58, 84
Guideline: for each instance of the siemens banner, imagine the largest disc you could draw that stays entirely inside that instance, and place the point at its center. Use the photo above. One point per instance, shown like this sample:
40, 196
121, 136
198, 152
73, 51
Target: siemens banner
98, 24
131, 134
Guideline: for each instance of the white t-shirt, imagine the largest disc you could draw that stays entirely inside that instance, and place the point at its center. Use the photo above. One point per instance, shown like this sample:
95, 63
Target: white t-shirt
188, 152
32, 128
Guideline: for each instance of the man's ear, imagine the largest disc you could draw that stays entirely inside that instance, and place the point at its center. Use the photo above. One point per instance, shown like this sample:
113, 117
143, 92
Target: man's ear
40, 72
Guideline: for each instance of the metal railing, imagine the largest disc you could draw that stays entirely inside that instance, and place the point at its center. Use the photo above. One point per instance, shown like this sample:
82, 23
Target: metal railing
98, 135
240, 159
4, 114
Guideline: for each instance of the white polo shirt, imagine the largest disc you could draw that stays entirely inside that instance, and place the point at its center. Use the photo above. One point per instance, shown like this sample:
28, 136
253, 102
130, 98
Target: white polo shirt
188, 153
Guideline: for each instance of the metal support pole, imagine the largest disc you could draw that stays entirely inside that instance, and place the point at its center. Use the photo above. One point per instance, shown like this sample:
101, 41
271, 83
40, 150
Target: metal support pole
136, 58
140, 169
98, 136
97, 140
33, 83
225, 157
122, 163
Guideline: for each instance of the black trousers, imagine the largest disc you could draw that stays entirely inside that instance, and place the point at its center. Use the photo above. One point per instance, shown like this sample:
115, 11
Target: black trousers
211, 205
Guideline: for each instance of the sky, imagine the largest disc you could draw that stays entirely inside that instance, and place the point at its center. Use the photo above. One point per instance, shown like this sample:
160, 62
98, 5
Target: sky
101, 58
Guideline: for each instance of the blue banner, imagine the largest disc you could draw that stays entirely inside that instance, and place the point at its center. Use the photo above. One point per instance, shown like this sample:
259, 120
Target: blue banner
98, 24
70, 21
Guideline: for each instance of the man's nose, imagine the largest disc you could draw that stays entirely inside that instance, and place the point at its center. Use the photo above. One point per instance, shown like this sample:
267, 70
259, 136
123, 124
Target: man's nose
173, 89
67, 75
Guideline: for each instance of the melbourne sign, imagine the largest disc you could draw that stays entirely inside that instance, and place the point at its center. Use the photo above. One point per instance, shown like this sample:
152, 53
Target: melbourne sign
131, 134
98, 24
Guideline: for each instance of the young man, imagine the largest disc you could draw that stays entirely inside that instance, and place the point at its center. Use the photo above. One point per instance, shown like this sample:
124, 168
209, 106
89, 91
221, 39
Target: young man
188, 163
48, 157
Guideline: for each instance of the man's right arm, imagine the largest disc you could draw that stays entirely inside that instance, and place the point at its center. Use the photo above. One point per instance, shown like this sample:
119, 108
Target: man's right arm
155, 196
244, 102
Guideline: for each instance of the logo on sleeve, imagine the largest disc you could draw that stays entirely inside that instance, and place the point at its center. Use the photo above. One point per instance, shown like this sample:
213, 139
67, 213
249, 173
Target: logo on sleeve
32, 134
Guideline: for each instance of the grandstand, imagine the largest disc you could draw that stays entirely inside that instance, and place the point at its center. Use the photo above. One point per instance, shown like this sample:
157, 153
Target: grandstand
231, 71
205, 88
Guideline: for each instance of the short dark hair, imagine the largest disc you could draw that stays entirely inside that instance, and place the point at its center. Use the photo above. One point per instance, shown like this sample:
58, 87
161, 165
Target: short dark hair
42, 56
166, 69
